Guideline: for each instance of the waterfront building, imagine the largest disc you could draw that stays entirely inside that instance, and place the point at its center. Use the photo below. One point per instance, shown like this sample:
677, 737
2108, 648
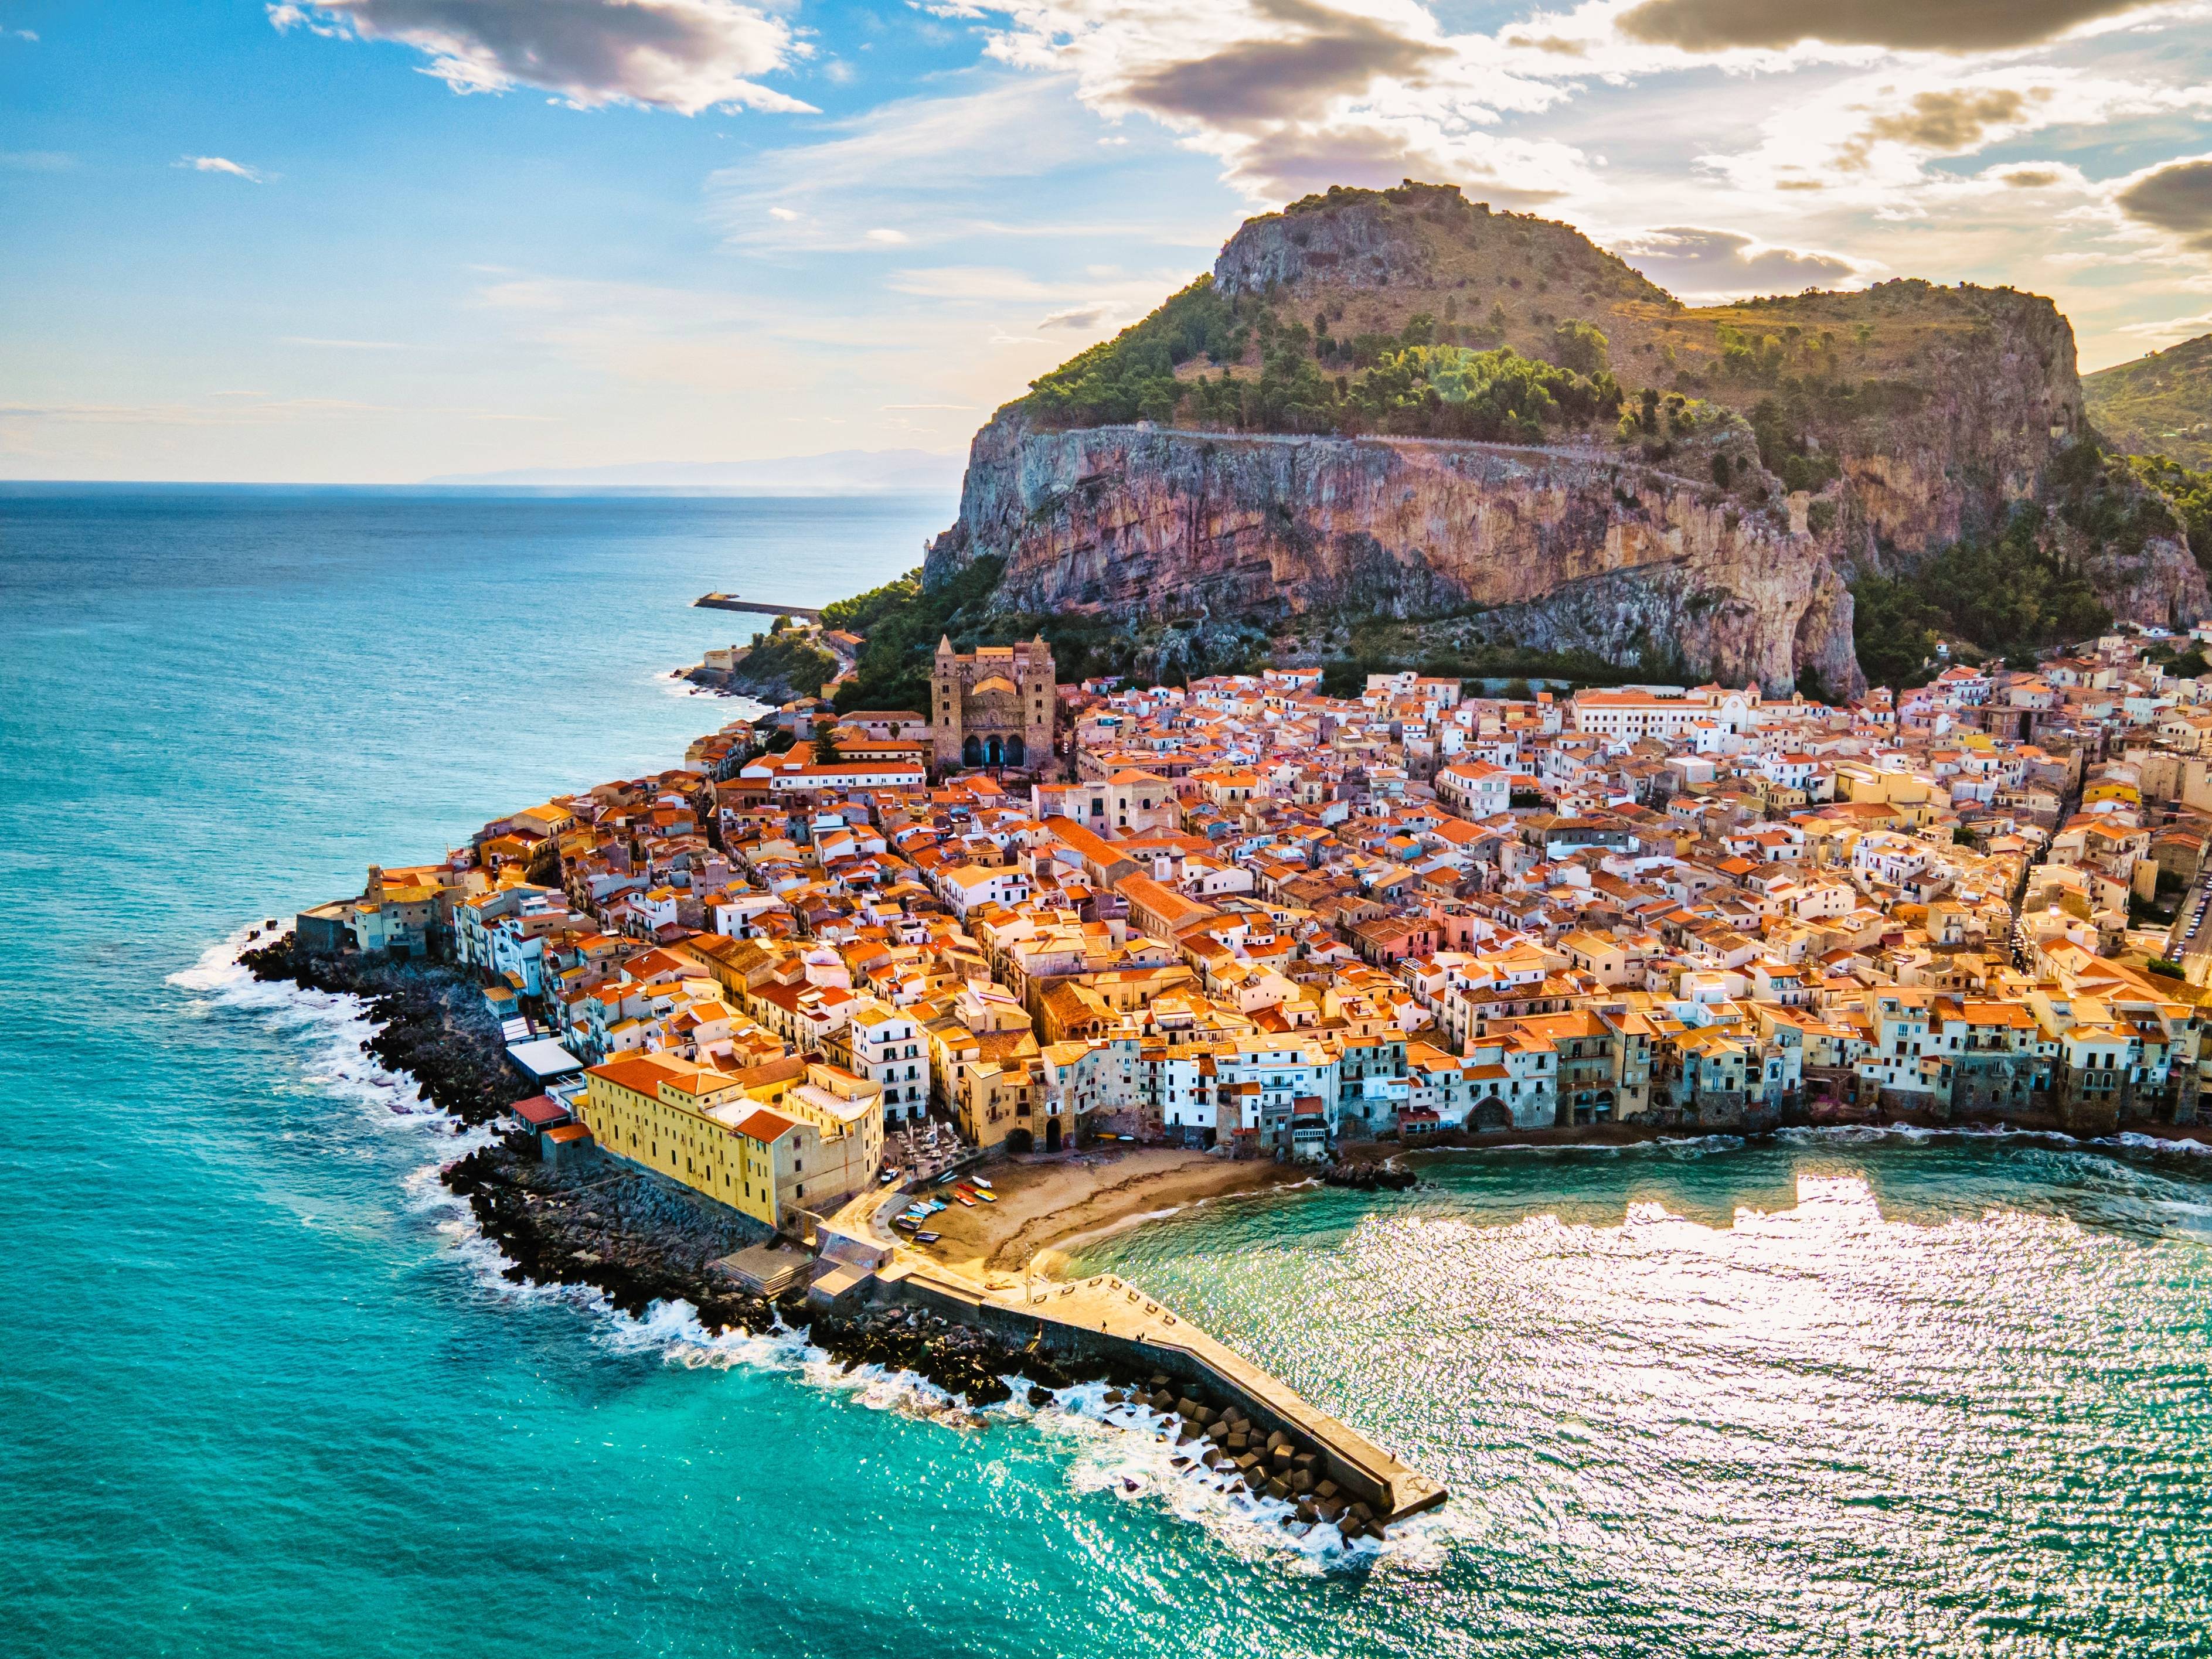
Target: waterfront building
887, 1048
1273, 921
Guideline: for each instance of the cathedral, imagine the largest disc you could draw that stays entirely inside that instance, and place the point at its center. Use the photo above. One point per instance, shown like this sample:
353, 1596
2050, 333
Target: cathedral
995, 707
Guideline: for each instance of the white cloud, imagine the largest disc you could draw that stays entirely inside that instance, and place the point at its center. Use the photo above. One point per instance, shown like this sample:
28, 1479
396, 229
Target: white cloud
684, 55
1085, 319
1292, 95
1949, 26
883, 234
2170, 332
1704, 265
220, 164
1870, 139
927, 169
976, 283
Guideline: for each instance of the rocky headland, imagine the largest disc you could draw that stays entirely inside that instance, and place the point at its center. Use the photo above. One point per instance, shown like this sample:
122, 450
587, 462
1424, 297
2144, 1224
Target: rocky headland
794, 662
636, 1239
1228, 463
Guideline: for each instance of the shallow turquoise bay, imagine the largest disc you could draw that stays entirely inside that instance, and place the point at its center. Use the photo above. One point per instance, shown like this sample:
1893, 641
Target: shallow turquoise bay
260, 1394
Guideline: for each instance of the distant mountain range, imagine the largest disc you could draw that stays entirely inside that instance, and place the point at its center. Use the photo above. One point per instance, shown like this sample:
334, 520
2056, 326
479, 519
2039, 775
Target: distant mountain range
839, 472
2160, 405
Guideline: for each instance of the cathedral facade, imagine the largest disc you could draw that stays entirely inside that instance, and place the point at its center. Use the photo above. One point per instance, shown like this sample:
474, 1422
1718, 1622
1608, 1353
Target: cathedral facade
994, 708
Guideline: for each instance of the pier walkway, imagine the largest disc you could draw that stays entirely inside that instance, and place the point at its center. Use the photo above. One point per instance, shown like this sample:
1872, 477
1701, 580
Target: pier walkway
755, 607
1105, 1317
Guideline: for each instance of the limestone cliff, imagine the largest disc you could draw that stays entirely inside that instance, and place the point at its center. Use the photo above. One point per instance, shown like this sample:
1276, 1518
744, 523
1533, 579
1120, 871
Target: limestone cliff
1860, 431
1567, 549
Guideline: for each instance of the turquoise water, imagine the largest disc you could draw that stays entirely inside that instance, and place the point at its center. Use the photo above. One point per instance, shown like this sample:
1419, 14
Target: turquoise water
262, 1395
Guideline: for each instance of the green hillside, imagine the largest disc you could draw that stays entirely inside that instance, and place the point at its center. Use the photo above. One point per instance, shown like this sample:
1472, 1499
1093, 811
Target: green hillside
2160, 405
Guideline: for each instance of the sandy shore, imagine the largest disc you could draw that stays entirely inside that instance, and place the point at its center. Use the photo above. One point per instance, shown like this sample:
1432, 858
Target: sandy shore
1047, 1203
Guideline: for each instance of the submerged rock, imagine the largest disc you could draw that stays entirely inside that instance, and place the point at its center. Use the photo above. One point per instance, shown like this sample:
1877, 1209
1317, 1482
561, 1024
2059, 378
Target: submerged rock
1368, 1177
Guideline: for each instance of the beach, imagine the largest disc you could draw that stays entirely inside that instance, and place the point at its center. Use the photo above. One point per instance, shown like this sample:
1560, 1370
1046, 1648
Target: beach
1046, 1205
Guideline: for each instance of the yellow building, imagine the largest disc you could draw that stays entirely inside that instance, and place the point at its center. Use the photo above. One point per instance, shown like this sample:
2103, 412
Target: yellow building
782, 1137
1002, 1103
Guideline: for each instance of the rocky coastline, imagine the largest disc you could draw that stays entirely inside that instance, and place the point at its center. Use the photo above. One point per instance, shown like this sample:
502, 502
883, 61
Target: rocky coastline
616, 1231
796, 662
432, 1023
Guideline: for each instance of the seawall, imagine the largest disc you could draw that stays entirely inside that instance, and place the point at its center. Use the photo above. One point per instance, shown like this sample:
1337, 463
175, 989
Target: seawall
1104, 1321
755, 607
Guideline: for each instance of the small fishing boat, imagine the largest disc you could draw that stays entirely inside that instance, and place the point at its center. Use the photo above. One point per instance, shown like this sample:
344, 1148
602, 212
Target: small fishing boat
912, 1224
967, 1199
987, 1195
927, 1238
981, 1183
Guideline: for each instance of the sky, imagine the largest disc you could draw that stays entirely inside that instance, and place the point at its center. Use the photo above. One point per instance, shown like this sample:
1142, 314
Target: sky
382, 240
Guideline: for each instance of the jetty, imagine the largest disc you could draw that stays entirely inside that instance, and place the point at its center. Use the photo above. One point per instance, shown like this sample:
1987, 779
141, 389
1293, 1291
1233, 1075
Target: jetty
755, 607
1106, 1320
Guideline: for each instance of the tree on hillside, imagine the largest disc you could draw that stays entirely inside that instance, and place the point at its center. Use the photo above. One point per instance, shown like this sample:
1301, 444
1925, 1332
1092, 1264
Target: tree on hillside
1580, 347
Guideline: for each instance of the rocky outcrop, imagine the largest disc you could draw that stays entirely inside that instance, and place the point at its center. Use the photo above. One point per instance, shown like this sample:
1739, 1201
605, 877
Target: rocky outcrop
1963, 429
1357, 248
795, 663
432, 1022
2161, 585
1571, 549
1927, 414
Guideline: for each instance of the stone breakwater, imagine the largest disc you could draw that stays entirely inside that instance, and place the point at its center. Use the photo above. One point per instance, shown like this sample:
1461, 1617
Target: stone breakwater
638, 1241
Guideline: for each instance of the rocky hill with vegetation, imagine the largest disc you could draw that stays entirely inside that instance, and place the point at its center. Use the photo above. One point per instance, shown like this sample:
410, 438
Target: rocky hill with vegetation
1399, 403
785, 662
2160, 405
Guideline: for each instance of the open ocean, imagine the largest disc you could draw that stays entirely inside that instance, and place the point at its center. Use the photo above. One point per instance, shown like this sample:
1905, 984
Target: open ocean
262, 1393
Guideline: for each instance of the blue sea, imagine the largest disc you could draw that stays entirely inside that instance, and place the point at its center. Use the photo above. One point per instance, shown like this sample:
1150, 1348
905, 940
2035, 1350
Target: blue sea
262, 1392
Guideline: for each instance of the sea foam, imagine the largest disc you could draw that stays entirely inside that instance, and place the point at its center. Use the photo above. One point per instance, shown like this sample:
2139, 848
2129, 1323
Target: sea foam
1126, 1450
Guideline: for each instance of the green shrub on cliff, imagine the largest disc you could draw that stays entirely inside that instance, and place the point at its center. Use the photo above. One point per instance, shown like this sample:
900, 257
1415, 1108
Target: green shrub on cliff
1784, 449
788, 657
2097, 494
1132, 376
1580, 348
1451, 392
1402, 383
2009, 596
2188, 491
903, 621
1291, 395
